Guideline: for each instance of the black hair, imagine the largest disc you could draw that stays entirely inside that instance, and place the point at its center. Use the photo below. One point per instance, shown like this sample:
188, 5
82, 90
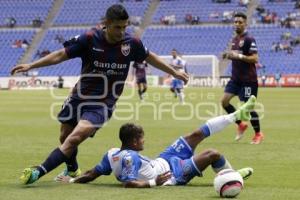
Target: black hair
130, 131
116, 12
241, 14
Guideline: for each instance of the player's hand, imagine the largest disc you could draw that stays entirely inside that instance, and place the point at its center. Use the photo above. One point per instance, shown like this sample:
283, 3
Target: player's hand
231, 55
182, 76
225, 55
20, 68
160, 179
63, 179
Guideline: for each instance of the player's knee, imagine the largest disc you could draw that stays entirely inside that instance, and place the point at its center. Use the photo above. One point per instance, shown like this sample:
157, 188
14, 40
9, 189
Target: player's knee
214, 155
74, 140
62, 138
196, 135
172, 89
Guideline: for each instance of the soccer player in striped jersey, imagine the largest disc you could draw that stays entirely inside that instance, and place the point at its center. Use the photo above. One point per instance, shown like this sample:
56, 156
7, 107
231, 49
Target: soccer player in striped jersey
243, 82
141, 79
176, 165
106, 55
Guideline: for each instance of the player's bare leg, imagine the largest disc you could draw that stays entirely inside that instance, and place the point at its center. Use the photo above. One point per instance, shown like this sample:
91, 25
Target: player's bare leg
140, 91
217, 124
65, 131
180, 94
173, 90
144, 89
213, 158
72, 168
83, 130
218, 162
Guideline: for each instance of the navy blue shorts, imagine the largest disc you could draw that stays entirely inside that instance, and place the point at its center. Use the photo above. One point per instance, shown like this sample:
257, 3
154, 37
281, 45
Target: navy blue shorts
243, 90
141, 80
74, 110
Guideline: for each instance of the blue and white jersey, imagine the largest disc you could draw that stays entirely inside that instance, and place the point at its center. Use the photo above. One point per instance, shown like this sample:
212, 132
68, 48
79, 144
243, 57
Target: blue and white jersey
129, 165
179, 63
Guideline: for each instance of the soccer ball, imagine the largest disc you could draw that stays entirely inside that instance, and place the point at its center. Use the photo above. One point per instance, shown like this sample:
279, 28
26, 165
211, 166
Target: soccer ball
228, 183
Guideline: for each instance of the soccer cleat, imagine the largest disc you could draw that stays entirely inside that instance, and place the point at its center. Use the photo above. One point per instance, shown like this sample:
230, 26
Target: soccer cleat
258, 138
240, 131
69, 173
243, 113
29, 175
245, 172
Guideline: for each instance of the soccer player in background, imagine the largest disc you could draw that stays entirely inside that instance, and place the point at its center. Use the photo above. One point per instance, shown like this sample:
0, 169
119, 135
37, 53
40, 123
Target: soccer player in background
106, 54
177, 85
243, 82
141, 79
176, 165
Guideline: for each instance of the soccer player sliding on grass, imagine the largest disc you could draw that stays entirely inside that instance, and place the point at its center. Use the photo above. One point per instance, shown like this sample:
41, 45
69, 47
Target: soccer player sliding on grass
176, 165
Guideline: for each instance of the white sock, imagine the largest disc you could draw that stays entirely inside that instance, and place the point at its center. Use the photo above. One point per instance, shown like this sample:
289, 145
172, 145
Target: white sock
181, 97
217, 124
227, 165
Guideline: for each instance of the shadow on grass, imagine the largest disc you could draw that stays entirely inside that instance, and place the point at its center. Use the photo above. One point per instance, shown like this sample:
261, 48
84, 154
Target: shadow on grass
53, 184
198, 185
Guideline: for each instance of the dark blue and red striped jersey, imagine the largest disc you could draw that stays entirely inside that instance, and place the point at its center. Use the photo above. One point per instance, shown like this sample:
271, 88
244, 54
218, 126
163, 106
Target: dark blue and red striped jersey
243, 71
104, 66
140, 69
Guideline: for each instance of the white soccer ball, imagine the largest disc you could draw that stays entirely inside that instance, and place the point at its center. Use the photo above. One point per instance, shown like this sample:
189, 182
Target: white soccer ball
228, 183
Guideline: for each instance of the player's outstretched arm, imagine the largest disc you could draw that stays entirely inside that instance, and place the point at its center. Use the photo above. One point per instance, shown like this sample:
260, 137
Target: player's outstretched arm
160, 179
159, 63
51, 59
88, 176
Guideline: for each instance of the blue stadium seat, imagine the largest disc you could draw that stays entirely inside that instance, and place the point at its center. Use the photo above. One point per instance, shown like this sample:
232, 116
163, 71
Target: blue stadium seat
92, 11
24, 11
203, 9
10, 56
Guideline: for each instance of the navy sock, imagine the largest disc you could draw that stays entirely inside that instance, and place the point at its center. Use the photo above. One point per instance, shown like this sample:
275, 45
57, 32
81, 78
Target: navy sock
219, 163
140, 94
230, 109
55, 158
205, 130
255, 121
72, 164
144, 90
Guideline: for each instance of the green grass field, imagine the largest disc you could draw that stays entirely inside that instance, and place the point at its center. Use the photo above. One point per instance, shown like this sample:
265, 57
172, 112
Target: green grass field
28, 134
